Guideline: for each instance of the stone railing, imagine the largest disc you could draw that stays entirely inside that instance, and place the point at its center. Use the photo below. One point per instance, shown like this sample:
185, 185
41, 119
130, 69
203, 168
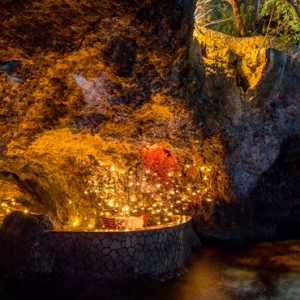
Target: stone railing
31, 248
110, 256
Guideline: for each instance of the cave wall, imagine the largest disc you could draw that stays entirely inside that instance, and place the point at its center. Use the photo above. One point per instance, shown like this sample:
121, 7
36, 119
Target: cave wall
84, 82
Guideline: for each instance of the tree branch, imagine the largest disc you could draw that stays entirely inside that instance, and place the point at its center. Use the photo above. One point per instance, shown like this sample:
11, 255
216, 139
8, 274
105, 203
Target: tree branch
217, 21
238, 20
295, 8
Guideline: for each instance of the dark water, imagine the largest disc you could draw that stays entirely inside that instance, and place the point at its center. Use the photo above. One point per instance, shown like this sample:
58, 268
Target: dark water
262, 271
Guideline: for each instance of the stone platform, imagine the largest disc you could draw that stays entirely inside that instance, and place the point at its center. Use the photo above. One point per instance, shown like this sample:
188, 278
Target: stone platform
115, 255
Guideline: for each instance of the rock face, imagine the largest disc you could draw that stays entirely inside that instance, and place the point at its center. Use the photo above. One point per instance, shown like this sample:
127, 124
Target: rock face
82, 83
254, 104
88, 83
24, 254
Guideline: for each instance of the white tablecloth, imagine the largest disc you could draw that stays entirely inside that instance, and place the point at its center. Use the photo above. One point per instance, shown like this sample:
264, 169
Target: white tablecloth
131, 222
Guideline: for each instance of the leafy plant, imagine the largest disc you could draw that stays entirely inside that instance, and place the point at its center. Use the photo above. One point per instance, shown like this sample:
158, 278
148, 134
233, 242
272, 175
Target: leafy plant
284, 16
279, 19
218, 15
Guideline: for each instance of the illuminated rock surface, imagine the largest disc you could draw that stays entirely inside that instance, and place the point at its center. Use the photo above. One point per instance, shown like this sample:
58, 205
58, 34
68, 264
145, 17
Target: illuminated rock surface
83, 83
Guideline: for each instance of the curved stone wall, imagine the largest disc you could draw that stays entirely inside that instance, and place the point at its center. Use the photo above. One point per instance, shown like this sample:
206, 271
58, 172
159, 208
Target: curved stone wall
110, 256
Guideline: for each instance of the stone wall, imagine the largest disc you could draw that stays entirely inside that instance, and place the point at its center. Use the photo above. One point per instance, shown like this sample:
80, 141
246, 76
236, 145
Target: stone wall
112, 256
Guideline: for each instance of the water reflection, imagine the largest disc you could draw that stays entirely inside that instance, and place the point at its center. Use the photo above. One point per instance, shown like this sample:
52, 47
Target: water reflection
263, 271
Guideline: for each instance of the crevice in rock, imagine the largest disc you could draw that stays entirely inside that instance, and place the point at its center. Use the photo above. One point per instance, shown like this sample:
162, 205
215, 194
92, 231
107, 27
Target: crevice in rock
241, 78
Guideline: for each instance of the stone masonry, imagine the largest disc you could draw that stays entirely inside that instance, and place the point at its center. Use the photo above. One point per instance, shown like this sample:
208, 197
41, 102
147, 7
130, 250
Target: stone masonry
113, 256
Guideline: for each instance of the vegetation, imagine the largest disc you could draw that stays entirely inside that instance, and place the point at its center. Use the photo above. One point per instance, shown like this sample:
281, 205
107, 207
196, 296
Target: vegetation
278, 20
284, 17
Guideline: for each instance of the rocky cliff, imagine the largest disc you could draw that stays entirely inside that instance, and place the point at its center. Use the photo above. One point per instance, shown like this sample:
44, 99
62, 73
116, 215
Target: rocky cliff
88, 85
254, 104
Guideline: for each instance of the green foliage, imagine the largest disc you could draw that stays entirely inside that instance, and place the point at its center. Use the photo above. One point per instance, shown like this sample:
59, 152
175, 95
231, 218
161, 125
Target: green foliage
277, 18
218, 15
249, 17
220, 12
285, 23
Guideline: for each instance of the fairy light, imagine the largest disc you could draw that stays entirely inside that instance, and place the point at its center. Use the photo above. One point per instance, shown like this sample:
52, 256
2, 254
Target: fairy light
162, 193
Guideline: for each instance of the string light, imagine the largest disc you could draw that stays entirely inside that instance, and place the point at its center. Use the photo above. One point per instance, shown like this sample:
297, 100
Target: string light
111, 189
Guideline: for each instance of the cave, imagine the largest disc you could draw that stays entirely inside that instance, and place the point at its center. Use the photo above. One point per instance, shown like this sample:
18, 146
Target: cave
128, 110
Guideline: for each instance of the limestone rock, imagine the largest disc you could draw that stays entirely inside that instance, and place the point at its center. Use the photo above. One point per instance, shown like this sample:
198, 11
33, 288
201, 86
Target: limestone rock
89, 82
254, 102
24, 254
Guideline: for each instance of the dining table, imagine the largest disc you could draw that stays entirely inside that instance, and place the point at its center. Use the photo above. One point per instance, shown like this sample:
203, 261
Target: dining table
130, 222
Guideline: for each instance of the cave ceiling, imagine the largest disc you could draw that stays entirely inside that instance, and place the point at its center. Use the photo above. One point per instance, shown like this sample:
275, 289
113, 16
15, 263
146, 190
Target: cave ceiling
90, 83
